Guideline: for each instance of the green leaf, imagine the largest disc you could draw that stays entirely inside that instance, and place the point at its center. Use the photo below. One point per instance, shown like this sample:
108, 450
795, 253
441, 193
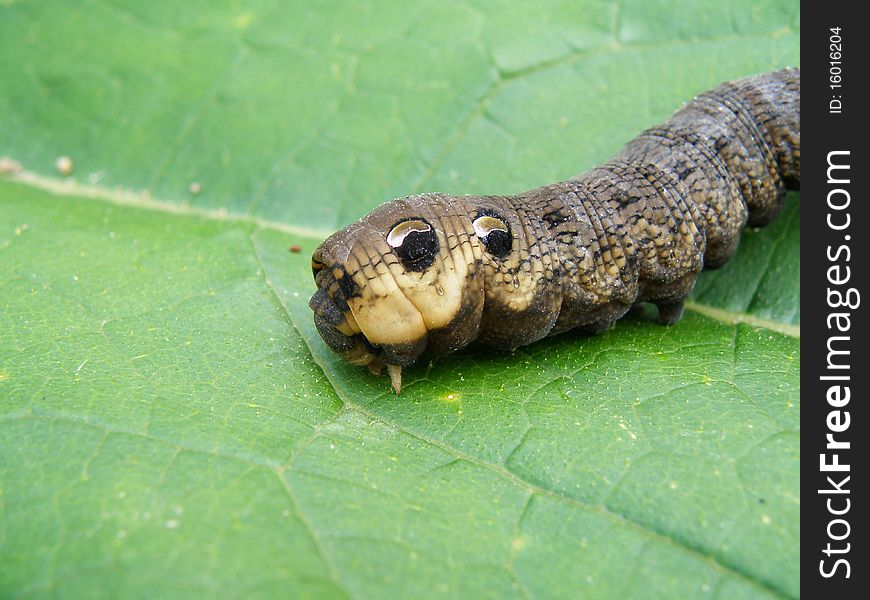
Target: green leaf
171, 424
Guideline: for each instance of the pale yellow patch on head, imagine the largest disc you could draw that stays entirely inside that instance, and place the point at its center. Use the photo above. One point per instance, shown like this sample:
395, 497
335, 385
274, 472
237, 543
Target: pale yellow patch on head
383, 313
438, 294
438, 291
388, 319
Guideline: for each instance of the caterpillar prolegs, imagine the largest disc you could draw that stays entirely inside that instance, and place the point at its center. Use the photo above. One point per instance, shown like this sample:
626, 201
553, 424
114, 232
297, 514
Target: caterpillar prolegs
435, 272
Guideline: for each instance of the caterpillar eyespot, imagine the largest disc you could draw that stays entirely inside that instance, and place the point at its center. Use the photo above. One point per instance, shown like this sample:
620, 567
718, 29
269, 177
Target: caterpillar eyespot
494, 233
435, 272
414, 242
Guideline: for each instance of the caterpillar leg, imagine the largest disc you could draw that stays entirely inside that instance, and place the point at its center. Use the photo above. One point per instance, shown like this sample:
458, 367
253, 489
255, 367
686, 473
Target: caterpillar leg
670, 312
598, 327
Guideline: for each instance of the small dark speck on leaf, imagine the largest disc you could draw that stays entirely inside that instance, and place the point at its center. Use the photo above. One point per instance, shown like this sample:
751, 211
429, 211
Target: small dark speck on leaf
295, 248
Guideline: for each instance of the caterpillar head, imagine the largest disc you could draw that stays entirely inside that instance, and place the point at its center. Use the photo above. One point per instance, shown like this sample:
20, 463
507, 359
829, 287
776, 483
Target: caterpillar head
406, 278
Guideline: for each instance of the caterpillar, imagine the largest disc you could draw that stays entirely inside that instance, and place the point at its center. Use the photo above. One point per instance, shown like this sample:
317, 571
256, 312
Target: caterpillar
434, 272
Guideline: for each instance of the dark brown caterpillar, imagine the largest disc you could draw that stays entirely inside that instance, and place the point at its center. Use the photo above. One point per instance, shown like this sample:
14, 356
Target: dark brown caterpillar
436, 272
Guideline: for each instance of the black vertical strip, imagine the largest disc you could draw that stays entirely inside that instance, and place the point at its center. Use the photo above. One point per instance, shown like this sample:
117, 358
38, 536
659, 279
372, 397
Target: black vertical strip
834, 263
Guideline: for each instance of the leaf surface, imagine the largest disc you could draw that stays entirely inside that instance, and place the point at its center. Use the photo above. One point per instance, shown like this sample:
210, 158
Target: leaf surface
172, 425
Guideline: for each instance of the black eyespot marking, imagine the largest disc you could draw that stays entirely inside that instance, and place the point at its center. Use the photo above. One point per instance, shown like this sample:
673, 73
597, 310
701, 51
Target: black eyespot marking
414, 242
494, 231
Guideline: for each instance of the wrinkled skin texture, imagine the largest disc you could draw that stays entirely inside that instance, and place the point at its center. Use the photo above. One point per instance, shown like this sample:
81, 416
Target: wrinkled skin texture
435, 272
